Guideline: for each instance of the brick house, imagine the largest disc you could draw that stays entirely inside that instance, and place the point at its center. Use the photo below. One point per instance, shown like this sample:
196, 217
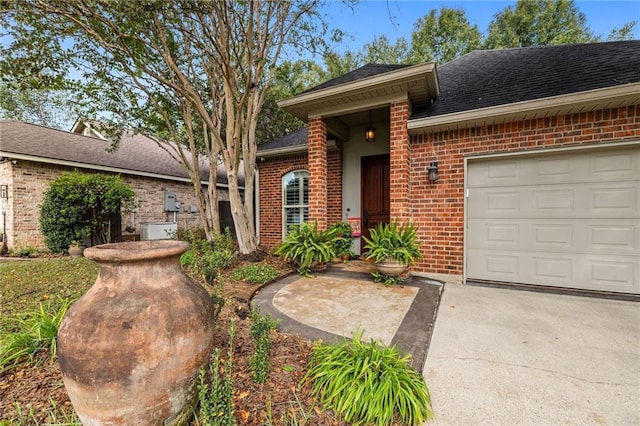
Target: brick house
536, 152
32, 156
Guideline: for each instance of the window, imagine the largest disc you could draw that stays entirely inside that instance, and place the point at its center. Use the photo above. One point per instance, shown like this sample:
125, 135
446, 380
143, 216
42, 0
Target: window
295, 199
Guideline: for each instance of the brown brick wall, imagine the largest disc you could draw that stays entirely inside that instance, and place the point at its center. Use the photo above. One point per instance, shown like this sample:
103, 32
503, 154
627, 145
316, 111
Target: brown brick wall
399, 155
29, 181
271, 173
438, 209
318, 172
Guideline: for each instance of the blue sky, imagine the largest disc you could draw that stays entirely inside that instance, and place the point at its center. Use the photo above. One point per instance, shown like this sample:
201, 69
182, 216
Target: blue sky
395, 18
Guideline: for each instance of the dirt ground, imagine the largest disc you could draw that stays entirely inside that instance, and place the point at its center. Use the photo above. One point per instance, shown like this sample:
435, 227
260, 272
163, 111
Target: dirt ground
279, 401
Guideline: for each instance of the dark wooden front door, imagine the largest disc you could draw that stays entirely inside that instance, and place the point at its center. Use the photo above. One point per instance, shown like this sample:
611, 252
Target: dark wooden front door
375, 192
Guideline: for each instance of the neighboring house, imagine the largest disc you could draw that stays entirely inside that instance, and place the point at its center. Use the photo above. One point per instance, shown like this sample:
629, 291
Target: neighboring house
32, 156
537, 153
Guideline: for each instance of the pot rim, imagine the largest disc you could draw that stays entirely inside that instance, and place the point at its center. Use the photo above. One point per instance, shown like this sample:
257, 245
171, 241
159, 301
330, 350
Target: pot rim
136, 250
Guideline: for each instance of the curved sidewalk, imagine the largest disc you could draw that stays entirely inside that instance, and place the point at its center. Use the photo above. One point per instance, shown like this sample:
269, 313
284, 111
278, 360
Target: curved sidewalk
344, 300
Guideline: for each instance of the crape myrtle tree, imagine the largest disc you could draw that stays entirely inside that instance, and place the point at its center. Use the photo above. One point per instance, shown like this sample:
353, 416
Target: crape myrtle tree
191, 74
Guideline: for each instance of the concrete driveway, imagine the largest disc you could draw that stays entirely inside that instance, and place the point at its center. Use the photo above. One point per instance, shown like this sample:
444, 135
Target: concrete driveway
503, 356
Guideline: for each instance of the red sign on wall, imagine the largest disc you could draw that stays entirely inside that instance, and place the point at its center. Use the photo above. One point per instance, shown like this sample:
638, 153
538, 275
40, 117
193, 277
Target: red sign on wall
354, 222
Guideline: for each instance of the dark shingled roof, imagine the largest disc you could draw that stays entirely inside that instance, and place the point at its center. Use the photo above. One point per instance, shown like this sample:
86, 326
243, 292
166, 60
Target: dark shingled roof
295, 138
368, 70
136, 153
486, 78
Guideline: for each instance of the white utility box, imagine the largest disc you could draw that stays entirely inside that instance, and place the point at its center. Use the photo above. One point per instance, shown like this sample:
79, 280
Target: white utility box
158, 230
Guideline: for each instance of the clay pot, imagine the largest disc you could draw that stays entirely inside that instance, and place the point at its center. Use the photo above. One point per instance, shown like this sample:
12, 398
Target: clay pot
131, 347
391, 267
76, 251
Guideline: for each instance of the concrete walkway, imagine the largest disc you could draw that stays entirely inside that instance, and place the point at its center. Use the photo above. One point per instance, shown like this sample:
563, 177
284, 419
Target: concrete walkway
344, 300
502, 356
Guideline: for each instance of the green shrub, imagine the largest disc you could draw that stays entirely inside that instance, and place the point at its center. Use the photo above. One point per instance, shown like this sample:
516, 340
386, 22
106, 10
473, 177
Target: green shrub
77, 205
215, 389
214, 262
208, 258
306, 245
35, 333
343, 240
258, 273
261, 326
188, 259
368, 383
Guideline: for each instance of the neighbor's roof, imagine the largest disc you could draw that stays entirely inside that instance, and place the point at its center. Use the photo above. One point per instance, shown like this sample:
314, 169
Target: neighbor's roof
136, 155
486, 78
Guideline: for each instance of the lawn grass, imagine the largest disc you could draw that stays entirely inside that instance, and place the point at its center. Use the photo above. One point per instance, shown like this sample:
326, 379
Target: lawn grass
24, 284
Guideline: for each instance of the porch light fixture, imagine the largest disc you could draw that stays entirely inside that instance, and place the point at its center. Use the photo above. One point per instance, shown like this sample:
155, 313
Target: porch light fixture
433, 171
4, 192
370, 132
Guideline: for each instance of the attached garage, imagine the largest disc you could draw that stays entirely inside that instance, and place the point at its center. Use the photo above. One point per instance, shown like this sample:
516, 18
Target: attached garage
565, 218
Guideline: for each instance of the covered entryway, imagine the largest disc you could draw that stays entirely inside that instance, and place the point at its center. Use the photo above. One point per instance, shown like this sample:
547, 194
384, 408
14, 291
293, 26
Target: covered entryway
568, 218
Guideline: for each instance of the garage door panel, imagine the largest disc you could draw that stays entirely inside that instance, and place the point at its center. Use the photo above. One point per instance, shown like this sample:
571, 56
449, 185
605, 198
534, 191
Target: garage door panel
569, 219
619, 165
578, 236
587, 200
593, 272
597, 166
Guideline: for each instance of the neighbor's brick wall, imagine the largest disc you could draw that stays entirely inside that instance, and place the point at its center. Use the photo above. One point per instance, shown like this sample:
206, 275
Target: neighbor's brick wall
30, 180
271, 173
438, 209
6, 205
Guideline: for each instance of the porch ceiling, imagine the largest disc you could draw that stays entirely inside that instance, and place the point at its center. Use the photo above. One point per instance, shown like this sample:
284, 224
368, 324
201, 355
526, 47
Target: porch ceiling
351, 101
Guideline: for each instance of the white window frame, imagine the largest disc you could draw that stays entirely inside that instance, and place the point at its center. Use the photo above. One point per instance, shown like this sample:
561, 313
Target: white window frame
303, 173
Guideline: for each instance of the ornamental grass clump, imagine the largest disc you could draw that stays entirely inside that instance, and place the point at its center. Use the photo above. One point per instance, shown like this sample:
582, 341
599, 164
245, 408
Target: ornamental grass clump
367, 383
393, 241
34, 334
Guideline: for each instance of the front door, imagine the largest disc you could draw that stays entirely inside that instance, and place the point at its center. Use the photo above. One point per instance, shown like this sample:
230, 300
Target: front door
375, 192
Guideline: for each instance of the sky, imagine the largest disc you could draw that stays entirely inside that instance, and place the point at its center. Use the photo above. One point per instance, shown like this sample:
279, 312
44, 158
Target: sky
395, 18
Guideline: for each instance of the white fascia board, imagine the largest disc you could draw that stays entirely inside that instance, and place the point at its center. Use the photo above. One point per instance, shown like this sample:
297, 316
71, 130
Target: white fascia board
519, 108
364, 84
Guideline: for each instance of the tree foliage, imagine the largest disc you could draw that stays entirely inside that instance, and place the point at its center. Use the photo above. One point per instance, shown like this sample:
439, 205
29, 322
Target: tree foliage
443, 37
56, 109
78, 205
538, 23
193, 73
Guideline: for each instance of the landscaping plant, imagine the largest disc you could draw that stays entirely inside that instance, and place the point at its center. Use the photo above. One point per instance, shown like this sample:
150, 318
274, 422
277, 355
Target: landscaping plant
207, 258
367, 383
79, 205
343, 240
33, 335
308, 246
261, 326
393, 241
215, 390
255, 274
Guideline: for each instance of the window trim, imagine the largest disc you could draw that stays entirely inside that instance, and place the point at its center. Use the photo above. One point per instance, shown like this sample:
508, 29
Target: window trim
285, 206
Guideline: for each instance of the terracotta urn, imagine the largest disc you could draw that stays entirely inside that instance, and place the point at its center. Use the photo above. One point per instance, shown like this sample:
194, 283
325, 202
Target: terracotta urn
130, 349
391, 267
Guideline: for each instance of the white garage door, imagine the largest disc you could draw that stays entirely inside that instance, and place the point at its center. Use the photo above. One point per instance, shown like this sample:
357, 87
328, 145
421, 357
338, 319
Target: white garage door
567, 219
